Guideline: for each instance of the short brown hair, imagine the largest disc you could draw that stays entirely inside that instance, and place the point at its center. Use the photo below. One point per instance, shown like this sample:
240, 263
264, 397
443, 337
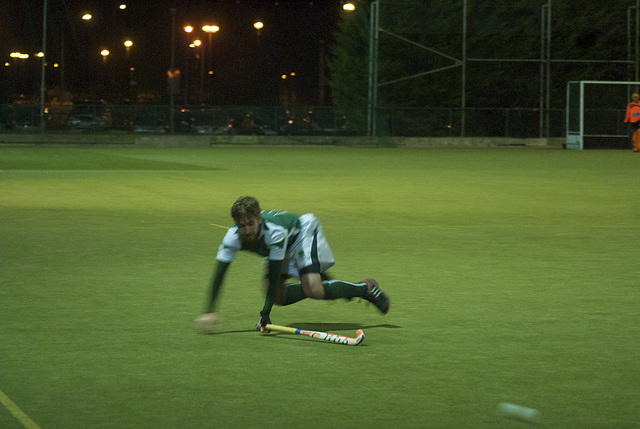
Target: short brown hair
244, 208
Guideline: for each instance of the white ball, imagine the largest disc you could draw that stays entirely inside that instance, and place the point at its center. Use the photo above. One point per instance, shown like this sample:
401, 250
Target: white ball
529, 415
208, 323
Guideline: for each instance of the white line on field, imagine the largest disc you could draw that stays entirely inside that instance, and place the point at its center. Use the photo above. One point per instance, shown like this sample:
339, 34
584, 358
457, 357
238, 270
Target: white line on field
17, 412
219, 226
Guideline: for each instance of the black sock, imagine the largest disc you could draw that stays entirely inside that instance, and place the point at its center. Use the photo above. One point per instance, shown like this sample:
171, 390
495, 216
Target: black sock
292, 293
336, 289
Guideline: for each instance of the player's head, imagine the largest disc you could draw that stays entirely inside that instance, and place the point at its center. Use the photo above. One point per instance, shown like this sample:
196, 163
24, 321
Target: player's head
246, 214
244, 208
635, 96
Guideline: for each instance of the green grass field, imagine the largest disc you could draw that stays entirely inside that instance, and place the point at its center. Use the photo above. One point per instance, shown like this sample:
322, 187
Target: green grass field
513, 275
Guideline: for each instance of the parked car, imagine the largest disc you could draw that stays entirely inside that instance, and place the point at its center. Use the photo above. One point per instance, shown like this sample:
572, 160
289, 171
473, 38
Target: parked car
149, 127
86, 122
250, 125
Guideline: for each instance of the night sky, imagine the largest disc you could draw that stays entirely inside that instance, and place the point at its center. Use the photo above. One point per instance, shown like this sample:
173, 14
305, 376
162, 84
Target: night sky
247, 66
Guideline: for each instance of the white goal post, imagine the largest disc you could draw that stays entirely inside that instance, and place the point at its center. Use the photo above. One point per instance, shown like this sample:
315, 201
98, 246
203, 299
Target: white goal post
595, 114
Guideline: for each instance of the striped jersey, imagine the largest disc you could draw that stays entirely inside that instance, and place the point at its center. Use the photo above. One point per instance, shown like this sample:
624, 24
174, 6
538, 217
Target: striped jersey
278, 231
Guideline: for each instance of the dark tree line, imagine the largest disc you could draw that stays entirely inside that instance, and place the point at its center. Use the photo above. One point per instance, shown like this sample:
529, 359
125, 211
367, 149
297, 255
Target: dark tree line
499, 37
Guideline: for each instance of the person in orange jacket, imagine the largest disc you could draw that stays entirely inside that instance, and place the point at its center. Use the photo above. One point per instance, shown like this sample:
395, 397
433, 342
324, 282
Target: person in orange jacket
633, 119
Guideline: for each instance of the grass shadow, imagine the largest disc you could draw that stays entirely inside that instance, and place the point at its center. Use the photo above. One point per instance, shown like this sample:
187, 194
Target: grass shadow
238, 331
328, 327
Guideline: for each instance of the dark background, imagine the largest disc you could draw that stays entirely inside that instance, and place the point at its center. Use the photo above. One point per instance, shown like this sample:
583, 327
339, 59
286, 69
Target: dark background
247, 66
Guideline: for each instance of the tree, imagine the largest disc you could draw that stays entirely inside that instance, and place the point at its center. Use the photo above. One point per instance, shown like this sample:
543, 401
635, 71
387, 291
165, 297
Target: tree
503, 51
349, 68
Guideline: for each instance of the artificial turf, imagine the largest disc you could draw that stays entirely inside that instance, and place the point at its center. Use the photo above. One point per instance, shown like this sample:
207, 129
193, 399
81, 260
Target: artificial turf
512, 272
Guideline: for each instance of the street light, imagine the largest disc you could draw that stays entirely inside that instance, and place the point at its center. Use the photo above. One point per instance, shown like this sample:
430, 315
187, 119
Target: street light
258, 26
42, 69
127, 45
198, 57
209, 29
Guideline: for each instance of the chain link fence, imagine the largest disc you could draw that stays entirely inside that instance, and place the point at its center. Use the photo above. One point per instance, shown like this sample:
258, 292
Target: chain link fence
261, 120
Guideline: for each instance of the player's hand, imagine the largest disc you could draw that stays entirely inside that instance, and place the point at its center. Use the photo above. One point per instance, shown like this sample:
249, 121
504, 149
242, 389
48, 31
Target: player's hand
264, 321
207, 323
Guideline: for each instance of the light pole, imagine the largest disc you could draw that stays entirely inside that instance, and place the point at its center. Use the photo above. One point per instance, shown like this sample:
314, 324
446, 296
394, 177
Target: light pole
187, 62
258, 25
62, 64
210, 29
128, 44
42, 69
105, 74
172, 73
197, 44
17, 68
374, 33
128, 76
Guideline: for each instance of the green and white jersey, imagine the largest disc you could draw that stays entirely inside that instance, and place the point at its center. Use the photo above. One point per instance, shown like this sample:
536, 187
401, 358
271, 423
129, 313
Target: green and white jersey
278, 231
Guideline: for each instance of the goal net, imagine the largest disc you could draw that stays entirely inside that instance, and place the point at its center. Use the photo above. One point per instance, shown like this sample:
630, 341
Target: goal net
595, 114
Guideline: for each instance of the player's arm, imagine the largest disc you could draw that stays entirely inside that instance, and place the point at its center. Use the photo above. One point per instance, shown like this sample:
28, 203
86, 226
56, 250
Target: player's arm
278, 244
226, 253
273, 278
206, 323
216, 284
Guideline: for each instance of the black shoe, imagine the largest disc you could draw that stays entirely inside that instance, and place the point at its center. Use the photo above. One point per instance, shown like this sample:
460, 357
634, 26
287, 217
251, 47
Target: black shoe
376, 296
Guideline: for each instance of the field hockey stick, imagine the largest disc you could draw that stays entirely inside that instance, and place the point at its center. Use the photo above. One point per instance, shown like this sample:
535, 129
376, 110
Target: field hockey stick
324, 336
